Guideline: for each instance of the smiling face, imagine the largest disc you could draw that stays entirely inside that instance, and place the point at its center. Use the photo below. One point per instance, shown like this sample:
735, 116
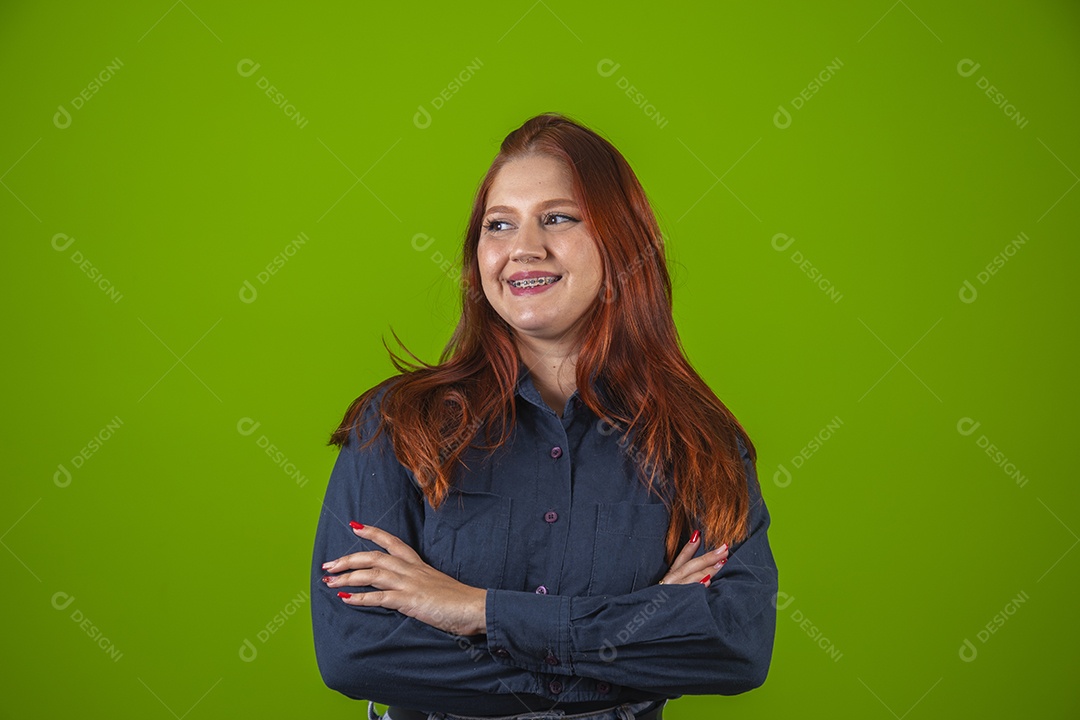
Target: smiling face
533, 225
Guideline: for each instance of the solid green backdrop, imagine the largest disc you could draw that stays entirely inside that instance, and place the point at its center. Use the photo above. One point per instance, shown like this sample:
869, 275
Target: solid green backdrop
212, 215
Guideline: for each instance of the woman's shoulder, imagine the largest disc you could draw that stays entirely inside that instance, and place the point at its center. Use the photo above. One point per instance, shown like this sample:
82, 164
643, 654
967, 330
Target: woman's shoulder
363, 417
377, 392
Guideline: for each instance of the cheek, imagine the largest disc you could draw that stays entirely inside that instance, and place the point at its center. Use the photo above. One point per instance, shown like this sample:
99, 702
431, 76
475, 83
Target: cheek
489, 265
487, 258
593, 267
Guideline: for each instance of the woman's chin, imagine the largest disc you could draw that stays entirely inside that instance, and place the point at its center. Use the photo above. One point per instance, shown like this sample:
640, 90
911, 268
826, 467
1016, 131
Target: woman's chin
539, 328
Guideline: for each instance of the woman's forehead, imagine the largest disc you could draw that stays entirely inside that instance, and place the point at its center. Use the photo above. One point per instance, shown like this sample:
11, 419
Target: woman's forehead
531, 181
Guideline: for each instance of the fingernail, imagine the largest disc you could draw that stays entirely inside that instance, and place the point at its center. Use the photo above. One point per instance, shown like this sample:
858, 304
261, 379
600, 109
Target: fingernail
326, 578
721, 550
355, 525
343, 594
328, 565
704, 579
694, 537
720, 564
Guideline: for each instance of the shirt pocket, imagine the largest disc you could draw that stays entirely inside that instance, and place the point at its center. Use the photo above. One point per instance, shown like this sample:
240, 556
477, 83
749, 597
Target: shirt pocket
629, 552
467, 537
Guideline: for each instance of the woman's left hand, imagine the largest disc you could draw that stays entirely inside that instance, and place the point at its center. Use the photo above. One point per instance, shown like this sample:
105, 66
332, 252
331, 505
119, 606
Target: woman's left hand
686, 568
407, 584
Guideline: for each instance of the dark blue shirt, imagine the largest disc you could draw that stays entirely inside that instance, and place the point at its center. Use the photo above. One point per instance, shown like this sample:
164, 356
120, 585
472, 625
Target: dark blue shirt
559, 528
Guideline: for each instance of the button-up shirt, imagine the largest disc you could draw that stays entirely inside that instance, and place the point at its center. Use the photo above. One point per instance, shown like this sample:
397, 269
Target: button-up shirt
559, 528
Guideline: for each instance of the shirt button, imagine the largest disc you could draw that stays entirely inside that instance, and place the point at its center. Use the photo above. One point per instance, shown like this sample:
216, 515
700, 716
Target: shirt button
501, 652
555, 687
541, 590
551, 516
556, 451
603, 687
551, 659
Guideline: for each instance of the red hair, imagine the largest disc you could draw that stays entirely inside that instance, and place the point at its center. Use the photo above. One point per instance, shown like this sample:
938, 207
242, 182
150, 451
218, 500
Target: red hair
683, 435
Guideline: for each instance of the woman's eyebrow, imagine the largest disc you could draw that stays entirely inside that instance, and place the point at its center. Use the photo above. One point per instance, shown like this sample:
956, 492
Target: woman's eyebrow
545, 204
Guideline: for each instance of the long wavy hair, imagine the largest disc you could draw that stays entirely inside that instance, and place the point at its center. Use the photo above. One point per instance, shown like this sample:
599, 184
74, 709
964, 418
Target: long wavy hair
682, 435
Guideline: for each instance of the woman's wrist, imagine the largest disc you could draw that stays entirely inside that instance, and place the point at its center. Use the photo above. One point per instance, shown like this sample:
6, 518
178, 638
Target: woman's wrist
479, 611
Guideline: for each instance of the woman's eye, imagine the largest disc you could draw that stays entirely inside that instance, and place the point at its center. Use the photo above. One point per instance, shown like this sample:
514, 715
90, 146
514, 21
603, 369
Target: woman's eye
560, 215
491, 225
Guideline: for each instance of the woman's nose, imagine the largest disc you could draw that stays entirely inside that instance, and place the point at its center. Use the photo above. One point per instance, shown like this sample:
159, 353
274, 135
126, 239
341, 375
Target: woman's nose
529, 242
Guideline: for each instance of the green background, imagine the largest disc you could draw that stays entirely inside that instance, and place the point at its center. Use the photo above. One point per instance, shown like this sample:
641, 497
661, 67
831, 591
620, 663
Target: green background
180, 539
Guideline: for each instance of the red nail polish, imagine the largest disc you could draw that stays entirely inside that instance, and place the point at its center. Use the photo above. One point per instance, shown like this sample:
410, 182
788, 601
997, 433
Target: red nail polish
704, 579
723, 561
326, 578
694, 537
343, 594
355, 525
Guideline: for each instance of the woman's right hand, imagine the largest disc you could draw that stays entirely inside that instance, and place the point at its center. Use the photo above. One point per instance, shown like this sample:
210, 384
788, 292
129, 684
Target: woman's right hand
688, 569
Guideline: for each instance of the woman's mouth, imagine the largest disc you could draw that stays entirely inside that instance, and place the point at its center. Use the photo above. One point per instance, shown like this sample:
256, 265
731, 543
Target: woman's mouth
532, 286
535, 282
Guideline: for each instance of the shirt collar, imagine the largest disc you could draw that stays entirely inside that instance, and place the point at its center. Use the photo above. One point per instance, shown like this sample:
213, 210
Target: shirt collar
527, 390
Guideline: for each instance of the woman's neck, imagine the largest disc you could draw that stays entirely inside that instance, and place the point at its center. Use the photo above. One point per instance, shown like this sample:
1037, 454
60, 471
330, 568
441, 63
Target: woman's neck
553, 368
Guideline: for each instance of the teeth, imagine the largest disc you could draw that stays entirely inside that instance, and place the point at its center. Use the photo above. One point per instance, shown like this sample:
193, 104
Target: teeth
534, 282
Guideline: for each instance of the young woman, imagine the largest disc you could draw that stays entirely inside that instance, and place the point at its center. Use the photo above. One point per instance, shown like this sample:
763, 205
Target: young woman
561, 515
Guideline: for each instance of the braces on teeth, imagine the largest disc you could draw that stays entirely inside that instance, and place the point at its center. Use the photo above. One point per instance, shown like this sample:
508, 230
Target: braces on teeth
534, 282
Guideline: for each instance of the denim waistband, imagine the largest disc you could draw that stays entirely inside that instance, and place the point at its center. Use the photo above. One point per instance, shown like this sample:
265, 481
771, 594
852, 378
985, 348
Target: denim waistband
645, 710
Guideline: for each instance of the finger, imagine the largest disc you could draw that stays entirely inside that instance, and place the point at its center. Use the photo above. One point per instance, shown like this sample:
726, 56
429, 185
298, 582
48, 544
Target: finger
367, 599
392, 543
693, 569
688, 550
711, 562
361, 560
378, 577
715, 558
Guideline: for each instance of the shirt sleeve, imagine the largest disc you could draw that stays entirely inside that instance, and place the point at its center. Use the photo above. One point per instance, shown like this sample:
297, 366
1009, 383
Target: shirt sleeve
669, 639
380, 654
